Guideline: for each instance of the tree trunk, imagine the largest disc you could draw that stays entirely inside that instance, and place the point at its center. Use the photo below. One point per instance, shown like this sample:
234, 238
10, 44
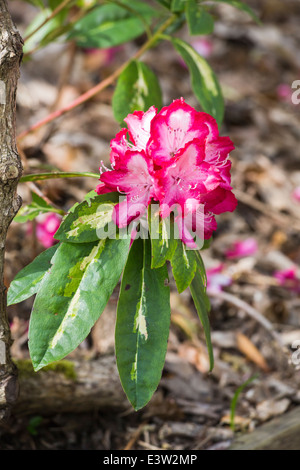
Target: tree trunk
10, 171
70, 387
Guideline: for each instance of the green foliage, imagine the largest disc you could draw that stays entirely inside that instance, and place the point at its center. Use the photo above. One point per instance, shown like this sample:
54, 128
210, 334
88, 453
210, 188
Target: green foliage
178, 5
235, 398
85, 220
28, 280
137, 89
142, 327
36, 207
47, 33
184, 265
33, 425
72, 296
74, 280
203, 80
113, 24
198, 19
202, 305
163, 241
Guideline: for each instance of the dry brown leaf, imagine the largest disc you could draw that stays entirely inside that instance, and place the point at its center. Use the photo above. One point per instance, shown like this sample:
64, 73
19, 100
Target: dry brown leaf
246, 347
196, 356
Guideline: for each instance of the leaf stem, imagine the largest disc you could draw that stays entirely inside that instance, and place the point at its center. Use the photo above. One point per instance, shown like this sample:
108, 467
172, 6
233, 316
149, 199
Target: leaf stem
60, 174
100, 86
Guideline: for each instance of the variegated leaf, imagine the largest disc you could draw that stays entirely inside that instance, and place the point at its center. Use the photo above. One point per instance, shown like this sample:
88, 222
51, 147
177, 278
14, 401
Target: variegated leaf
72, 296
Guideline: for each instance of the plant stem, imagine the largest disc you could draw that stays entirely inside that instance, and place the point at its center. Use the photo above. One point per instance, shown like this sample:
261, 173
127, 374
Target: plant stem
55, 12
100, 86
61, 174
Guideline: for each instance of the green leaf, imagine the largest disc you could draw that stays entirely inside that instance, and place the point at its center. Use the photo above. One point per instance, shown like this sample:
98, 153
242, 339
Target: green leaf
38, 38
110, 25
184, 265
137, 89
163, 243
72, 296
178, 5
235, 399
89, 220
165, 3
142, 327
203, 80
202, 305
28, 280
243, 7
198, 19
36, 207
36, 3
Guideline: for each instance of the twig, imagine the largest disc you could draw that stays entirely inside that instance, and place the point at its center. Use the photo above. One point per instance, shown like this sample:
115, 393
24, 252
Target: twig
277, 217
37, 190
100, 86
135, 436
252, 312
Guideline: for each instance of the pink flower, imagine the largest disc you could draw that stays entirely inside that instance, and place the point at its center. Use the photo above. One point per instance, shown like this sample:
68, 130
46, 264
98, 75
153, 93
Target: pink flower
289, 279
242, 248
216, 279
296, 194
284, 92
203, 46
47, 225
177, 158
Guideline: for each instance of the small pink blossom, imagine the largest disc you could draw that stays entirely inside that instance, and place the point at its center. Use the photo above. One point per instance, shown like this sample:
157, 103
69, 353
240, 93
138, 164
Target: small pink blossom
217, 279
203, 46
289, 279
296, 194
242, 248
284, 92
177, 158
47, 225
106, 55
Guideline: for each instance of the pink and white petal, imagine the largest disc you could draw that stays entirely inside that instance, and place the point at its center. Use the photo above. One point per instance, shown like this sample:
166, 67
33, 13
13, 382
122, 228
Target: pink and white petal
129, 210
139, 126
119, 146
218, 150
173, 128
134, 173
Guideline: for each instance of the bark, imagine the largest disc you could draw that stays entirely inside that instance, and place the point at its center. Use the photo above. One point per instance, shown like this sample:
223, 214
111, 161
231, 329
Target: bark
10, 171
70, 387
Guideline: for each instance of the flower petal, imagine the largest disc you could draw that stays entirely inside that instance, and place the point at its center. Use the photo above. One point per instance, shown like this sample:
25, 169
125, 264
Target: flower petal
174, 127
139, 127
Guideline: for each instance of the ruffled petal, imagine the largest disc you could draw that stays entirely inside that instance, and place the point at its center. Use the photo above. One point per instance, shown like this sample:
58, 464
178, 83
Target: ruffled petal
139, 127
174, 127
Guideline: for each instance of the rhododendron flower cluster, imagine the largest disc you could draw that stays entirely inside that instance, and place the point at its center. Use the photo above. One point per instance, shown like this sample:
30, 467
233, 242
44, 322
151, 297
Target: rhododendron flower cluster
176, 158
